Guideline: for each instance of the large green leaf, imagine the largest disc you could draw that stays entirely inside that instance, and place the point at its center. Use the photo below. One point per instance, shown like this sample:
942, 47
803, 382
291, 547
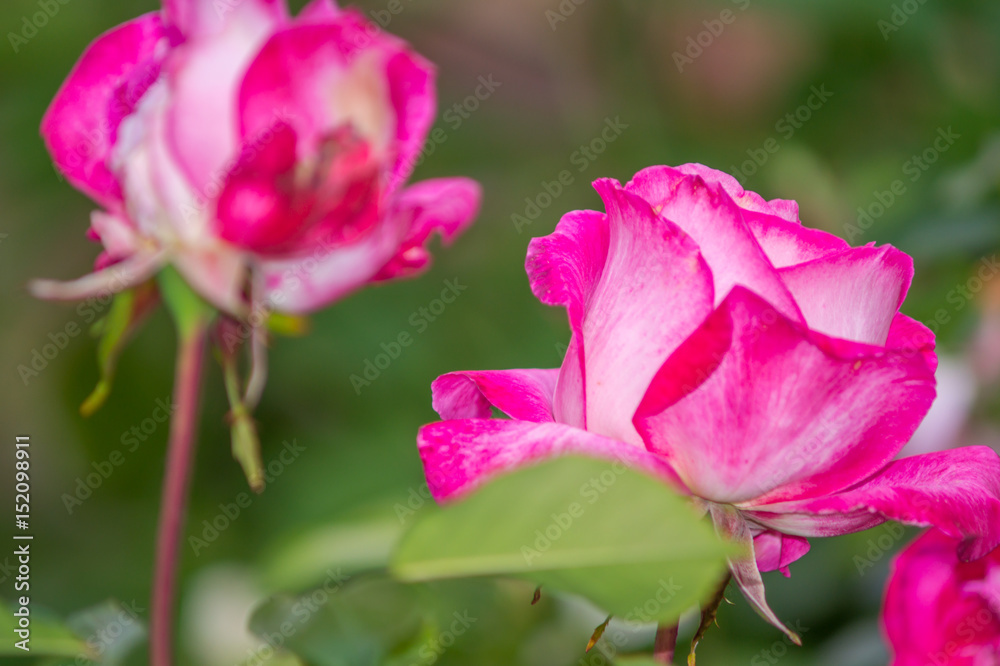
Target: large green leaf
617, 537
303, 560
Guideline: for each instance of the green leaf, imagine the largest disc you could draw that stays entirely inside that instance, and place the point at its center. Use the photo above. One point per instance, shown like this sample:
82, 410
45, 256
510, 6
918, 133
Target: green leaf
352, 547
49, 636
584, 526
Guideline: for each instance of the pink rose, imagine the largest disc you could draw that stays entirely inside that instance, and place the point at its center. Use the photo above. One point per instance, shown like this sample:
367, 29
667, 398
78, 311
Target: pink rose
244, 146
759, 366
940, 611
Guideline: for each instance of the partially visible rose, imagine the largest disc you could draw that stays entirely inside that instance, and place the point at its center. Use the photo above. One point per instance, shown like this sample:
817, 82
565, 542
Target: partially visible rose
940, 611
251, 149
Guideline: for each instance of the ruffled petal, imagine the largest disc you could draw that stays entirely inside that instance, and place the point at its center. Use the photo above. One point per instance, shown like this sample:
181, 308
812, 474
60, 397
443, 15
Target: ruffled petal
775, 224
307, 282
116, 233
563, 268
957, 491
754, 405
159, 198
81, 124
910, 337
629, 311
775, 551
788, 243
444, 205
205, 75
460, 455
705, 211
343, 72
853, 295
525, 395
196, 19
751, 202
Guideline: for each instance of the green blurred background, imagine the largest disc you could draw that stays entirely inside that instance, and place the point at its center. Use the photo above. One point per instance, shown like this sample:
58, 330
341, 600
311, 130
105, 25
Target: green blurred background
563, 74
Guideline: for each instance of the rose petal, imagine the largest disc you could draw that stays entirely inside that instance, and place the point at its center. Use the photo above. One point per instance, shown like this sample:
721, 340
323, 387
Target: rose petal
80, 125
628, 312
929, 616
200, 19
460, 455
775, 551
525, 395
753, 404
205, 76
343, 72
443, 205
854, 294
116, 278
957, 491
705, 211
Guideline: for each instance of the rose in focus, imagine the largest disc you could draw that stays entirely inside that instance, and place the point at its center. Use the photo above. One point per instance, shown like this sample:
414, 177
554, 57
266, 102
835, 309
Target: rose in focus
761, 367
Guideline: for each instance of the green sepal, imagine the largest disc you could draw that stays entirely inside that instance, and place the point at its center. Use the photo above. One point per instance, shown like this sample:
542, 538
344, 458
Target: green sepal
189, 310
129, 310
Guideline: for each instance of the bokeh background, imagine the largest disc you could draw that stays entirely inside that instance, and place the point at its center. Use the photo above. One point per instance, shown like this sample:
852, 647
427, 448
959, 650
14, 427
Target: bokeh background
885, 80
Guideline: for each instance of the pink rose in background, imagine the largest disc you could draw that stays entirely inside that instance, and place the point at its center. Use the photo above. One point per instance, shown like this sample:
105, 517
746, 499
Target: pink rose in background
940, 611
241, 145
757, 365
